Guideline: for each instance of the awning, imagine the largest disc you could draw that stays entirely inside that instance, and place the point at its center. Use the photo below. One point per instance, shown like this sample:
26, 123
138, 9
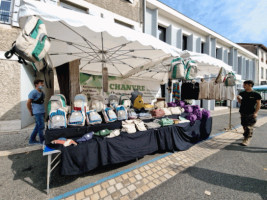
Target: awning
260, 88
95, 41
206, 64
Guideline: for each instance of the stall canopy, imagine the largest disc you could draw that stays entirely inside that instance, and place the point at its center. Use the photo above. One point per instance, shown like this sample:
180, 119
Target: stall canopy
96, 41
207, 64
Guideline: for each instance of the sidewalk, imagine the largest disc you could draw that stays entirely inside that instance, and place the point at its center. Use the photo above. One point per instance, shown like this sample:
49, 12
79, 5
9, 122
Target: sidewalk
17, 141
134, 182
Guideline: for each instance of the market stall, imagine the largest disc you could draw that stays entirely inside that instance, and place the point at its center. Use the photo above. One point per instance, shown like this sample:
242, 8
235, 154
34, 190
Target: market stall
108, 131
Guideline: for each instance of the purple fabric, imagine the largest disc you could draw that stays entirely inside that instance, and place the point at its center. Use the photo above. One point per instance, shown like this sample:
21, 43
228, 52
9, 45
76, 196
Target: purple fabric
205, 113
172, 104
192, 118
188, 109
195, 107
181, 104
198, 113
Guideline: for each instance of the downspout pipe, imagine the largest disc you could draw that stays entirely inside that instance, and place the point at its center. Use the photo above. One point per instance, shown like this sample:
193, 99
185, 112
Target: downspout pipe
144, 16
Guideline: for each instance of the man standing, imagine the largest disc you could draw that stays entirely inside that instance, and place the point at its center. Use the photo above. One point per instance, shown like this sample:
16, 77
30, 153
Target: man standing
35, 105
250, 105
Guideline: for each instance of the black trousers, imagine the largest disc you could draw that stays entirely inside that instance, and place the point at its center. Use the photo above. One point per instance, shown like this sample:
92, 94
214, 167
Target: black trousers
248, 122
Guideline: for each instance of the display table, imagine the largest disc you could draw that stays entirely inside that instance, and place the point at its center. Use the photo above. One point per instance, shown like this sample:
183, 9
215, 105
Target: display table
100, 151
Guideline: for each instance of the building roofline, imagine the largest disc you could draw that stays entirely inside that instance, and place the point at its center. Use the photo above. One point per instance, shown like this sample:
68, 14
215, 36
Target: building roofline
204, 28
255, 44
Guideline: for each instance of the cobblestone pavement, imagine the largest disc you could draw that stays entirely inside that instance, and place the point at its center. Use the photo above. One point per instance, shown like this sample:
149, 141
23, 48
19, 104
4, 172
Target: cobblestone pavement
136, 182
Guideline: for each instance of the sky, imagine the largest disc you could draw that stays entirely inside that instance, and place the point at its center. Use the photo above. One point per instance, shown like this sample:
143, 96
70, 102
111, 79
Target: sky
243, 21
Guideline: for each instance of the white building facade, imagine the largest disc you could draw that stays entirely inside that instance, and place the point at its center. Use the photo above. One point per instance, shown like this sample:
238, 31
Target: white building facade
182, 32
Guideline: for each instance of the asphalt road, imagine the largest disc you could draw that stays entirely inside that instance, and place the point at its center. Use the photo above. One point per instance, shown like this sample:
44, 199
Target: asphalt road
23, 176
236, 172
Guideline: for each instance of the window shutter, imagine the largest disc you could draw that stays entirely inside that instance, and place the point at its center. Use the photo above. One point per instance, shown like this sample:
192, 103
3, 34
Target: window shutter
15, 14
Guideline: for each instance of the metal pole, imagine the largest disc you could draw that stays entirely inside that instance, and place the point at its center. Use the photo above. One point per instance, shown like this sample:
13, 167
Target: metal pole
48, 172
103, 65
230, 118
144, 16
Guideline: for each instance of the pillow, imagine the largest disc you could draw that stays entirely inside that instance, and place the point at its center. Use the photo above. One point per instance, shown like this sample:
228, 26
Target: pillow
192, 118
188, 109
205, 114
160, 104
167, 111
175, 110
181, 103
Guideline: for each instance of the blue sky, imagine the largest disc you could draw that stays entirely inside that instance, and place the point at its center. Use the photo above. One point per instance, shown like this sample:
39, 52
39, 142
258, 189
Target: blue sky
238, 20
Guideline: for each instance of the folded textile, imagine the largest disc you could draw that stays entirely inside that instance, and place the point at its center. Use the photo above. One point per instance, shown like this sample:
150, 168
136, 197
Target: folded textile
167, 111
140, 125
85, 137
152, 125
114, 133
128, 126
64, 141
104, 132
166, 122
145, 115
183, 120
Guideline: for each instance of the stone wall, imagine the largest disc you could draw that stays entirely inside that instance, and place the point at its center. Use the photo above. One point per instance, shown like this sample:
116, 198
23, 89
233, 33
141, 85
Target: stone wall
8, 36
10, 90
9, 77
124, 8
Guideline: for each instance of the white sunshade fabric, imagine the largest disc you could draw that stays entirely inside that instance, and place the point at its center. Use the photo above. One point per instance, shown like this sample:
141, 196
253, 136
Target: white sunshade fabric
207, 65
95, 41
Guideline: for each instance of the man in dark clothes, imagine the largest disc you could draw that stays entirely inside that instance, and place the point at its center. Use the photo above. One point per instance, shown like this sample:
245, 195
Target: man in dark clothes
250, 105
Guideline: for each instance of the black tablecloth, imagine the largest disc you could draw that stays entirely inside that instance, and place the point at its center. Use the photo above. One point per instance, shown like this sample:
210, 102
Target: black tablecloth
101, 151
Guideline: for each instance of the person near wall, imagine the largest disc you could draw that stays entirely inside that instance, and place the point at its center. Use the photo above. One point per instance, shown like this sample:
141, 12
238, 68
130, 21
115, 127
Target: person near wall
35, 105
250, 104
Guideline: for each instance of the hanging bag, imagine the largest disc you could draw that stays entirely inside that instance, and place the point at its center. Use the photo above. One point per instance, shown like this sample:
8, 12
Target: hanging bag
230, 79
219, 78
177, 70
191, 70
32, 43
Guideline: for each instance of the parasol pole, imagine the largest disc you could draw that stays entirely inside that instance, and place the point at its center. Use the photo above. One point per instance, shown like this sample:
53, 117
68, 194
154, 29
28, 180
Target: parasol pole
104, 69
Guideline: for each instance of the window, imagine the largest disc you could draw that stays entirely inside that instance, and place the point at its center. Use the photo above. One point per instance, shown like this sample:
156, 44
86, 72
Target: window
217, 50
74, 7
202, 47
123, 23
184, 42
162, 33
262, 72
5, 11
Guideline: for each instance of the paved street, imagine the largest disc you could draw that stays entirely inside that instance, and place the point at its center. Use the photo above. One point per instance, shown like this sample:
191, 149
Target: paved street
236, 172
23, 175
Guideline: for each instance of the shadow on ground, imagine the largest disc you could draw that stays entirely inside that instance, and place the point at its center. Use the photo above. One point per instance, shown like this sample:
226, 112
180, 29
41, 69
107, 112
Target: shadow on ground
234, 182
31, 168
